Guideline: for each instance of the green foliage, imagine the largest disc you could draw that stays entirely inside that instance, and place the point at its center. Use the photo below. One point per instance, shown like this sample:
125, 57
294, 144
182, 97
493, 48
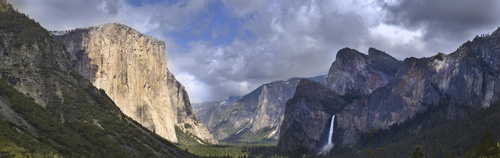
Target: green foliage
236, 150
84, 121
488, 148
80, 135
187, 125
418, 153
373, 152
187, 139
14, 143
246, 136
435, 134
192, 144
26, 30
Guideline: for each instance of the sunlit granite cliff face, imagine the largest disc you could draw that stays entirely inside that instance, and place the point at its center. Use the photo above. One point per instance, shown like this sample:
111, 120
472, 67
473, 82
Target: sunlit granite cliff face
47, 109
132, 69
388, 92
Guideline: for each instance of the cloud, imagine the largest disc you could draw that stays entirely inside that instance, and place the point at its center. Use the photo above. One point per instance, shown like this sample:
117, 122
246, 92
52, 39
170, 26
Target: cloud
62, 15
296, 38
444, 22
221, 48
163, 16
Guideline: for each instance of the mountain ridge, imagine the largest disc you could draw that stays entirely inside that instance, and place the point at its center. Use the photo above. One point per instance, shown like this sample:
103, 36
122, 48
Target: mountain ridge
458, 83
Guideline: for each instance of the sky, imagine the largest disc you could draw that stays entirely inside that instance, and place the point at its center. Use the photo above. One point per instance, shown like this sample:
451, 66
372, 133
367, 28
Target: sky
221, 48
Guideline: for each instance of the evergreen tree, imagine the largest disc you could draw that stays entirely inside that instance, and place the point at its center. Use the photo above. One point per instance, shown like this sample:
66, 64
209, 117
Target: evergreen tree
488, 146
418, 153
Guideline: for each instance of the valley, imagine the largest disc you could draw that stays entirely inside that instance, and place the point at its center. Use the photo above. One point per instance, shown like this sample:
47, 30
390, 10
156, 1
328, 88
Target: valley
108, 91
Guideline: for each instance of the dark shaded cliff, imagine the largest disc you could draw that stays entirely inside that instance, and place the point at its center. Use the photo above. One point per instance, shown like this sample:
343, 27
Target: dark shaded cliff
441, 89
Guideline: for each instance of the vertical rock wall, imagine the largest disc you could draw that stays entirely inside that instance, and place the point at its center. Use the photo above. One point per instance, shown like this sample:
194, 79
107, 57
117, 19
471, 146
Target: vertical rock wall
132, 69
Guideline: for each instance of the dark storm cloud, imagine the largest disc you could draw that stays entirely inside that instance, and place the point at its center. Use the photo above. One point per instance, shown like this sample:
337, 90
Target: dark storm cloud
265, 40
445, 19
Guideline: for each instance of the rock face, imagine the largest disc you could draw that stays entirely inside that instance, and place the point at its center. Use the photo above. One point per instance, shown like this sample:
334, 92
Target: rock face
256, 116
73, 117
308, 116
357, 73
461, 82
457, 84
210, 111
132, 69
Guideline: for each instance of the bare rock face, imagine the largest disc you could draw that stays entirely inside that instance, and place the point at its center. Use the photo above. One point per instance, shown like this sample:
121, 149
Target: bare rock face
209, 112
308, 116
132, 69
357, 73
256, 116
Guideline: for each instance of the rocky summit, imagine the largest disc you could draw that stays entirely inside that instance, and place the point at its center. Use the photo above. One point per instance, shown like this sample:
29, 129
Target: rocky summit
356, 73
132, 69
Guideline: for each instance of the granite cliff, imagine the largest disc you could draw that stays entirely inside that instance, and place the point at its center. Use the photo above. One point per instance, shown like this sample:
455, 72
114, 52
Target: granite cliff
47, 109
444, 87
301, 136
209, 112
132, 69
358, 74
258, 115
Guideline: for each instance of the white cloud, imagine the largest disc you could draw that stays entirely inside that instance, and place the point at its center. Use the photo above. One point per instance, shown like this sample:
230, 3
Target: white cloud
275, 39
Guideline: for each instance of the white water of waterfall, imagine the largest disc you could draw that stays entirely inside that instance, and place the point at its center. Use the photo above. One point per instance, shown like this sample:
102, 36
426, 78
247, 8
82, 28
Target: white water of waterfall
329, 145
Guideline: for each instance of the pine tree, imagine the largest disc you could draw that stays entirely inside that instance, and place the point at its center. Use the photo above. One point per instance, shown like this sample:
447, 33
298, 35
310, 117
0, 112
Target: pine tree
488, 146
418, 153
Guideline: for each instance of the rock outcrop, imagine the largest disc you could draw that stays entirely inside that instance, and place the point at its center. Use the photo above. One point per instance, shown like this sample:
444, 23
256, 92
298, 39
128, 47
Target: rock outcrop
456, 84
357, 73
308, 116
132, 69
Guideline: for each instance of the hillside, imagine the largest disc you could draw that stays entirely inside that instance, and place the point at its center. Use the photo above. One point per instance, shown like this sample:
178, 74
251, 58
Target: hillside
49, 109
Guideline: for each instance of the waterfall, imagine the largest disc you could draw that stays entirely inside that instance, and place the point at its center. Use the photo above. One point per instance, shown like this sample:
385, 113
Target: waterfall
331, 130
329, 145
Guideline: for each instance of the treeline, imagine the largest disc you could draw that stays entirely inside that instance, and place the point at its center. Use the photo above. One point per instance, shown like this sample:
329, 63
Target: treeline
25, 30
436, 135
488, 148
